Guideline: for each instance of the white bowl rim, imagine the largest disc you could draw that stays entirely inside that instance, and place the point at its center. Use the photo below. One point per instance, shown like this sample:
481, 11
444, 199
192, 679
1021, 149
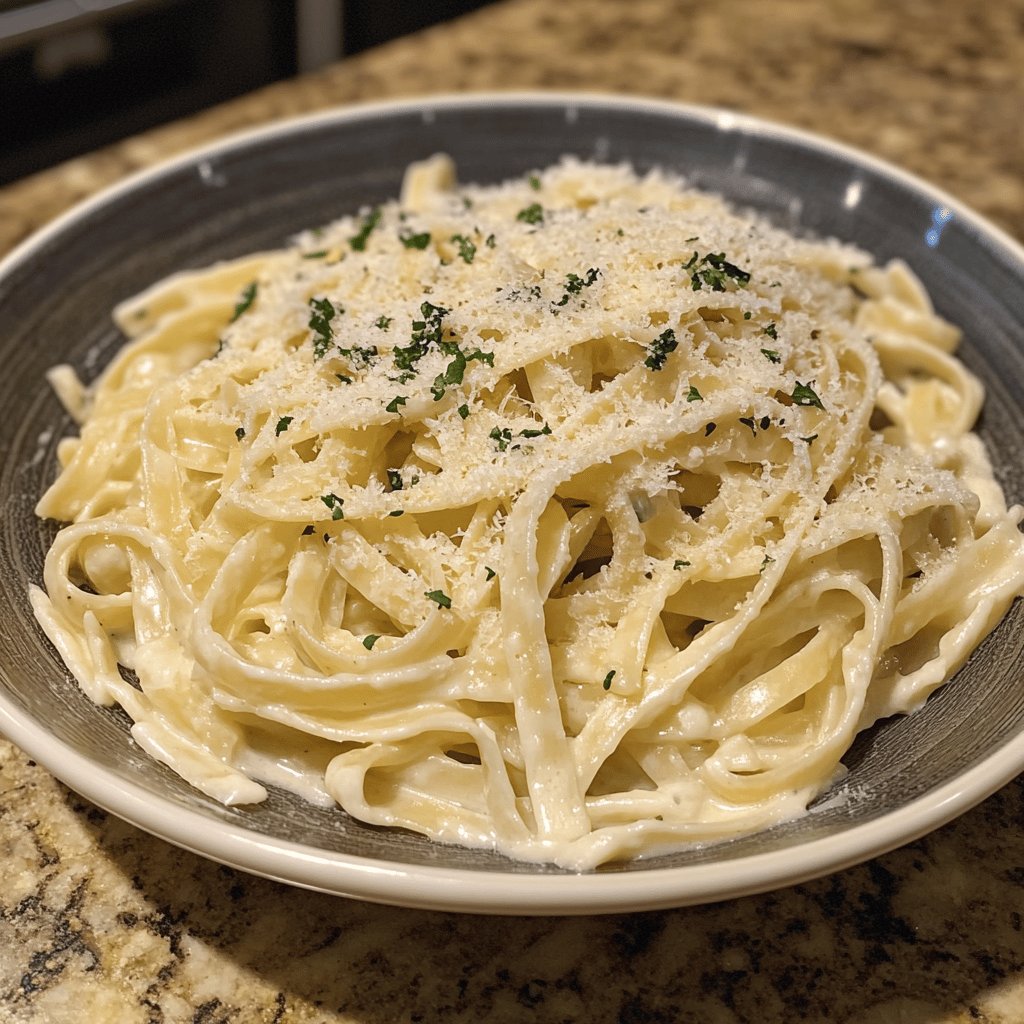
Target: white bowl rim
505, 892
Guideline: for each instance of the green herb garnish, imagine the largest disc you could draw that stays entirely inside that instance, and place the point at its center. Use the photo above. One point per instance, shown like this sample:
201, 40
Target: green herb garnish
370, 639
370, 221
693, 395
323, 312
425, 332
530, 432
239, 432
771, 355
245, 300
607, 684
715, 271
501, 436
282, 425
395, 402
804, 394
467, 250
574, 284
463, 411
383, 322
359, 353
490, 573
532, 214
660, 348
771, 331
334, 503
439, 597
454, 373
411, 240
679, 563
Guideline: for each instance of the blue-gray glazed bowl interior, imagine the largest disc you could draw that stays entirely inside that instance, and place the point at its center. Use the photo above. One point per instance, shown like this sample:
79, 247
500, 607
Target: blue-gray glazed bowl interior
55, 300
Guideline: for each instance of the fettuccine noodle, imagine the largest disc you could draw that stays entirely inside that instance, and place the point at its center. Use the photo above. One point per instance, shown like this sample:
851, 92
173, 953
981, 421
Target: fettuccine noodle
579, 517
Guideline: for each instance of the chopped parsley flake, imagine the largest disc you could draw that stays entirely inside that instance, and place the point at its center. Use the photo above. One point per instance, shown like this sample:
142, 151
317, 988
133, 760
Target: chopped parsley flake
535, 433
679, 563
245, 300
490, 573
344, 378
574, 284
383, 322
771, 331
425, 332
483, 357
804, 394
398, 512
490, 241
467, 250
360, 354
454, 373
771, 355
395, 402
370, 221
334, 503
456, 369
239, 432
715, 271
395, 480
413, 240
439, 597
323, 312
318, 255
282, 425
502, 436
810, 438
766, 562
463, 411
370, 639
607, 684
660, 348
693, 395
532, 214
534, 182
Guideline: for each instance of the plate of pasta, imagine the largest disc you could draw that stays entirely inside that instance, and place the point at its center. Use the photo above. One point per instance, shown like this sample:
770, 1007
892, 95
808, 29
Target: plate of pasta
524, 503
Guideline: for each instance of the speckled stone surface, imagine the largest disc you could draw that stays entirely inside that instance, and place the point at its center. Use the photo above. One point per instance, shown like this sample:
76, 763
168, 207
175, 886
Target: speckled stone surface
100, 922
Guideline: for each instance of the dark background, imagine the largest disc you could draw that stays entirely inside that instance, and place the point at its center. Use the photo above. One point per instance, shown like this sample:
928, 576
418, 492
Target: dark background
78, 74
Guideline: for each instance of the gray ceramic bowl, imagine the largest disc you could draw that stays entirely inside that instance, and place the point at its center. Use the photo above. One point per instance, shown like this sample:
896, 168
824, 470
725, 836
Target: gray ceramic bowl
906, 776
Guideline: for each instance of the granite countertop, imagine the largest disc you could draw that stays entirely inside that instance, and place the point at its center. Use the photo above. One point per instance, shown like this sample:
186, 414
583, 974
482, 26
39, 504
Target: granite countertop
100, 922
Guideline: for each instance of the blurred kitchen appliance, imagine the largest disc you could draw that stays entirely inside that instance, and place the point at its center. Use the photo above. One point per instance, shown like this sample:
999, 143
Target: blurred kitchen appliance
77, 74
